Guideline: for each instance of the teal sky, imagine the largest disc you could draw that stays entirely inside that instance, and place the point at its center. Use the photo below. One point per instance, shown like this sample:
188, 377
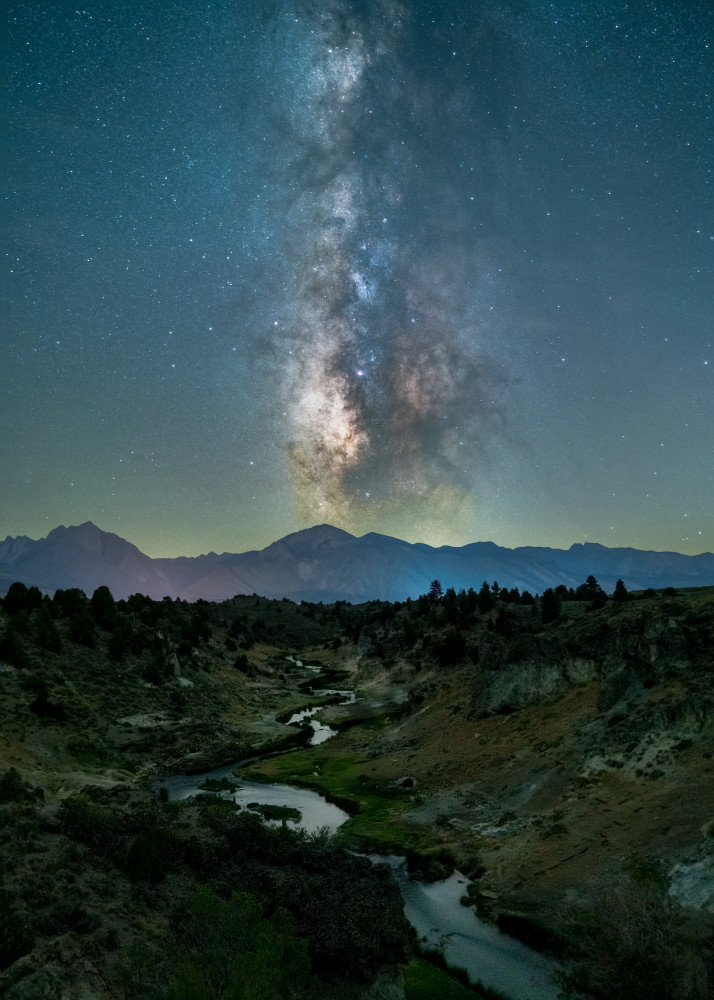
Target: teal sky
440, 271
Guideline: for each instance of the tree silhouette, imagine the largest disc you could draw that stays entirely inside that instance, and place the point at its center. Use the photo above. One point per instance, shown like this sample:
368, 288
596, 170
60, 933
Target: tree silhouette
21, 598
485, 597
591, 591
103, 607
549, 606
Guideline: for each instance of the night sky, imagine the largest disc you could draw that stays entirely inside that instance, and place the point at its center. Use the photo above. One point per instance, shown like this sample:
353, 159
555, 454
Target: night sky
441, 271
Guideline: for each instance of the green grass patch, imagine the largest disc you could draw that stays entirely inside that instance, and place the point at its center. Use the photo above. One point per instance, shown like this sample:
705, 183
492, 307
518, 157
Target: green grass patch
372, 718
376, 808
219, 785
269, 811
425, 981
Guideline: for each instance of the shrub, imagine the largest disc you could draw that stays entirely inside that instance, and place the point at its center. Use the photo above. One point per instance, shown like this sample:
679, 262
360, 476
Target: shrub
81, 628
628, 943
46, 632
16, 936
90, 823
241, 663
231, 950
14, 789
46, 709
452, 648
150, 855
12, 649
117, 646
157, 671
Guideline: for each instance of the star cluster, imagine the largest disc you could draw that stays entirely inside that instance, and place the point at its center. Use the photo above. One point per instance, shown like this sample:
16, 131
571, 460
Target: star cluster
439, 271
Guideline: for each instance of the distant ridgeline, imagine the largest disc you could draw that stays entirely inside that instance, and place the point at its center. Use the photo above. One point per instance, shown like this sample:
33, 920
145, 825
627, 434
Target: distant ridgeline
327, 564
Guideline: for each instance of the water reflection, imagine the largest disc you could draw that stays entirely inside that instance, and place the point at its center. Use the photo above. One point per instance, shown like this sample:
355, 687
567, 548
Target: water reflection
315, 811
433, 909
435, 912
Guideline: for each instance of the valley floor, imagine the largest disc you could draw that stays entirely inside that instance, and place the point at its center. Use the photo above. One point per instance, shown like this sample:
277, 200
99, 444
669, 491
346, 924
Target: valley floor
595, 774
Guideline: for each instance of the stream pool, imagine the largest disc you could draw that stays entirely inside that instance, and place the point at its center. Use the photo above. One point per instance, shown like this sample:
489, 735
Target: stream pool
433, 909
435, 912
315, 811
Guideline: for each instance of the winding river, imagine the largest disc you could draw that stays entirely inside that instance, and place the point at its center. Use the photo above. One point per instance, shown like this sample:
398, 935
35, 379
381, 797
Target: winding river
435, 912
315, 811
433, 909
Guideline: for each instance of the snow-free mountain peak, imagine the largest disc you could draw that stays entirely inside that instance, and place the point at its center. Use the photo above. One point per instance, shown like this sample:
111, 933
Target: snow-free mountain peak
325, 563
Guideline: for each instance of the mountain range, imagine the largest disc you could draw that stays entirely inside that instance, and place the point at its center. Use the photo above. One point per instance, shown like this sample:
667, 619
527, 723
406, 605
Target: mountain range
327, 564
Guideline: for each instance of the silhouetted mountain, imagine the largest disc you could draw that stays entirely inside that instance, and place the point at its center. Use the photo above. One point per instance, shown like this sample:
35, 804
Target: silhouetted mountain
324, 563
84, 557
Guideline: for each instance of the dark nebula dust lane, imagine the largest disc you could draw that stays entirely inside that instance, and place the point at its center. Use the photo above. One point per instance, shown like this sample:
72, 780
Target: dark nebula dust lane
393, 391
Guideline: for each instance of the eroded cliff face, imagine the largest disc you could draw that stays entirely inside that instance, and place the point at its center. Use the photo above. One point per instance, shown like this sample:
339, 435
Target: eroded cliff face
585, 749
630, 649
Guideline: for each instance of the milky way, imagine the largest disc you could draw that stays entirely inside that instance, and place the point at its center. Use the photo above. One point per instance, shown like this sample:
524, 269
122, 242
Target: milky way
441, 271
387, 381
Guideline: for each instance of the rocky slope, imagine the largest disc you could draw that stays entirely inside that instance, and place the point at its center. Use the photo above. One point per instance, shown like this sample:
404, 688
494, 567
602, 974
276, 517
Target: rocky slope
570, 758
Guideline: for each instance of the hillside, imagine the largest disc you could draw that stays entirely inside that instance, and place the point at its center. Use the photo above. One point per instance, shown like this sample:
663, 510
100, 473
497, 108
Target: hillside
549, 761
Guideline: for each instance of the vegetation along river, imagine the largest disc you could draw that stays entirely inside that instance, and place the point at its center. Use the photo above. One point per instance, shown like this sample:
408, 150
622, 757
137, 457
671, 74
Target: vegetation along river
433, 909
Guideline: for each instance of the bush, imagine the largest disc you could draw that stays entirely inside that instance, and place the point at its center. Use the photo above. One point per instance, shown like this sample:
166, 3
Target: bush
46, 709
230, 950
46, 632
150, 855
12, 649
91, 824
81, 628
16, 936
241, 663
14, 789
117, 645
157, 671
628, 943
452, 648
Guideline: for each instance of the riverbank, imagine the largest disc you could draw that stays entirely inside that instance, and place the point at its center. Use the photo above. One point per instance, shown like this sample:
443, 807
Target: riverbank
442, 924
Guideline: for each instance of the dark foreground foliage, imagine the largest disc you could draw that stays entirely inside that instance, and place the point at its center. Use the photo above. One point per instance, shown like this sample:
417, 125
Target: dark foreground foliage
628, 942
109, 885
228, 950
168, 900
